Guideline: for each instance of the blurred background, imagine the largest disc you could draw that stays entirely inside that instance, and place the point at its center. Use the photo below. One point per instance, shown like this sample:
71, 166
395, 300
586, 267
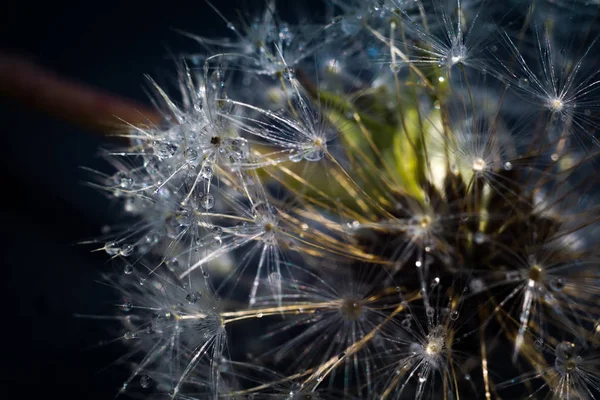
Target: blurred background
46, 208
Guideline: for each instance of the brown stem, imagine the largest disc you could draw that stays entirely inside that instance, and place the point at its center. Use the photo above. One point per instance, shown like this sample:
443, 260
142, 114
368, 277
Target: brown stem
21, 81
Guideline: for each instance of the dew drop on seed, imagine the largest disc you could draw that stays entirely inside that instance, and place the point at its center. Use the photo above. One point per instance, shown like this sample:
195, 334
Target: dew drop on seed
289, 73
128, 269
217, 231
296, 155
406, 324
192, 298
240, 149
454, 315
111, 248
192, 154
145, 381
479, 237
507, 166
315, 155
126, 250
123, 180
165, 149
207, 201
557, 284
206, 172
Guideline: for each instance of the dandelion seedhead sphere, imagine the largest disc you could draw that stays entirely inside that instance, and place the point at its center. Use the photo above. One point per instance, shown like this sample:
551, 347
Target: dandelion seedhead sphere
396, 201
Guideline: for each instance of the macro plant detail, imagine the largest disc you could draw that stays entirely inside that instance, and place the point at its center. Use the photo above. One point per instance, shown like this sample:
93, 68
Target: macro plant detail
396, 202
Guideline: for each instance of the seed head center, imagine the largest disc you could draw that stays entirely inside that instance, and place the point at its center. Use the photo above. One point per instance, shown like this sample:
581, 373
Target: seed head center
536, 272
478, 164
352, 309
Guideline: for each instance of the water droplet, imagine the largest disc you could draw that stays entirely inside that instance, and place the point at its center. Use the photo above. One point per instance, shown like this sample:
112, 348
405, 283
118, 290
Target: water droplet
507, 166
296, 155
126, 250
192, 154
554, 157
126, 306
111, 248
217, 231
205, 273
315, 154
557, 284
406, 324
239, 149
429, 311
129, 335
192, 298
207, 201
206, 172
289, 73
538, 344
479, 237
395, 67
123, 180
145, 381
454, 315
128, 269
164, 150
259, 315
230, 26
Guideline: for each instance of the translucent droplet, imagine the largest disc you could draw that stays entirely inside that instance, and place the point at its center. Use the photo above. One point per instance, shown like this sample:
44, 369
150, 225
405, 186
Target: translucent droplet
206, 172
165, 149
205, 273
454, 315
127, 306
557, 284
191, 154
192, 298
240, 149
145, 381
217, 231
129, 335
315, 154
289, 73
395, 67
507, 166
207, 201
429, 311
128, 269
111, 248
538, 344
479, 237
296, 155
123, 180
126, 250
406, 324
230, 26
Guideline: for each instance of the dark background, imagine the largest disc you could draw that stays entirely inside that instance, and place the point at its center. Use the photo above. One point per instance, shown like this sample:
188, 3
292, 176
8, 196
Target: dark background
46, 209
